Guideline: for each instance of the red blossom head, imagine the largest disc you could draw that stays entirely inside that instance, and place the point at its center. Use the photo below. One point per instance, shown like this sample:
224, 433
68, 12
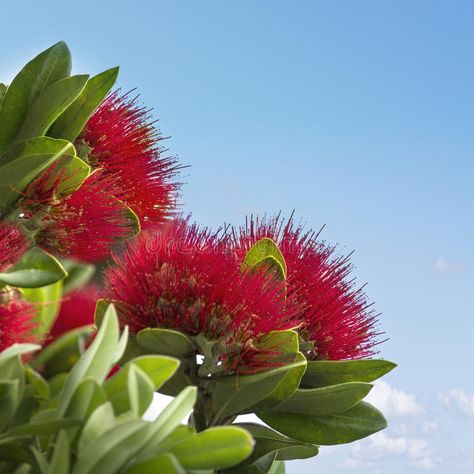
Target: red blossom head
336, 317
77, 310
12, 245
125, 143
84, 224
17, 320
183, 277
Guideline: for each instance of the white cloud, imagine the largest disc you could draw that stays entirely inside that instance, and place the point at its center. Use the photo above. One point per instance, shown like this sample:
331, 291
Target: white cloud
430, 427
392, 402
381, 447
459, 401
442, 265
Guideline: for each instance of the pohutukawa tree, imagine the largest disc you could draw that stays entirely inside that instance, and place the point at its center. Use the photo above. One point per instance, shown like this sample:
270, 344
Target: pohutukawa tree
127, 298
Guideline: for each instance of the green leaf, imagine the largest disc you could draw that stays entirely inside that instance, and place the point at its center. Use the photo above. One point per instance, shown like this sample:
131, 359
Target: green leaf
111, 450
265, 251
97, 361
60, 460
49, 105
164, 341
140, 389
63, 347
70, 124
16, 350
328, 372
286, 387
10, 398
24, 163
170, 418
37, 428
270, 442
40, 385
358, 422
38, 146
85, 399
277, 468
45, 69
3, 89
235, 394
215, 448
48, 299
75, 171
36, 268
326, 400
78, 274
162, 463
101, 420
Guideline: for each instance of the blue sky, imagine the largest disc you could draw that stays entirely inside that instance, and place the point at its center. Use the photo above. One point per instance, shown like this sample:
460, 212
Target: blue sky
358, 115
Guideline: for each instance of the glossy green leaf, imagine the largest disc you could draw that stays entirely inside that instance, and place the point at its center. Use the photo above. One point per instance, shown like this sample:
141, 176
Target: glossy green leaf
61, 458
164, 341
358, 422
74, 172
78, 274
36, 268
277, 468
48, 299
269, 442
215, 448
285, 388
3, 89
235, 394
49, 105
265, 250
70, 124
162, 463
327, 372
45, 69
20, 169
38, 146
325, 400
97, 361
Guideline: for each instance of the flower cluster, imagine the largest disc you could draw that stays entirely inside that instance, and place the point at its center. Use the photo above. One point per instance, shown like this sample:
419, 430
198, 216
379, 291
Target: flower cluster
336, 316
125, 144
12, 245
17, 320
185, 278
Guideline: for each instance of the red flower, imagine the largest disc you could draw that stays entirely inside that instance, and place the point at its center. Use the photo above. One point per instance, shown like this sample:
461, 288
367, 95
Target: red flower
124, 143
337, 317
84, 224
77, 310
17, 320
12, 245
182, 277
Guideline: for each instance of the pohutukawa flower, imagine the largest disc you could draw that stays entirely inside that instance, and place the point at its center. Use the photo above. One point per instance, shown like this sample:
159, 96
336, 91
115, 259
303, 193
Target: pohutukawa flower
77, 310
183, 277
84, 225
12, 245
125, 143
17, 320
337, 317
